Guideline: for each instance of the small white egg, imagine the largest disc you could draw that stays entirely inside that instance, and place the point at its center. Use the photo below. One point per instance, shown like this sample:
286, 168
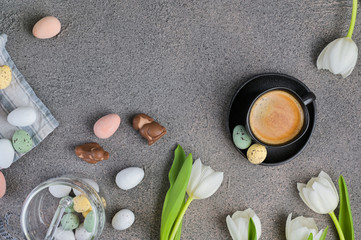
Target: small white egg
61, 234
22, 116
123, 219
129, 178
91, 182
6, 153
81, 233
59, 191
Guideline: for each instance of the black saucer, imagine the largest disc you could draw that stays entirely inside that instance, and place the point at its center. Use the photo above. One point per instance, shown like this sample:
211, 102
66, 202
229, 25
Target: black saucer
250, 89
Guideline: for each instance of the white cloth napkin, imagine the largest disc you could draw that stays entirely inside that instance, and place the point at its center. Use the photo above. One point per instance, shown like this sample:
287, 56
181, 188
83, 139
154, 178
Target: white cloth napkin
20, 94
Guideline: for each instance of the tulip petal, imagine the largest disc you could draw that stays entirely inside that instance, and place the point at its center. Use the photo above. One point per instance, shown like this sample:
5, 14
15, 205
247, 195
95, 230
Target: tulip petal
195, 176
208, 186
288, 226
232, 228
327, 177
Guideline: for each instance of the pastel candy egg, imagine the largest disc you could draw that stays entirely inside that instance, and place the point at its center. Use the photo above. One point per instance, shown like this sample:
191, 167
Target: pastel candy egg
5, 76
123, 219
22, 141
129, 178
82, 234
106, 126
256, 153
241, 138
2, 185
69, 221
81, 204
61, 234
47, 27
59, 191
91, 182
22, 116
7, 153
89, 222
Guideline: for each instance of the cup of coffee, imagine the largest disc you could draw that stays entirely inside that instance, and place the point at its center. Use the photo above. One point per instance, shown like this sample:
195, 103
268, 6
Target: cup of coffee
278, 117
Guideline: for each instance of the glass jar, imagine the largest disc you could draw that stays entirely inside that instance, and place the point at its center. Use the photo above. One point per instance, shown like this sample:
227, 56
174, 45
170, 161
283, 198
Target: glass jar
40, 206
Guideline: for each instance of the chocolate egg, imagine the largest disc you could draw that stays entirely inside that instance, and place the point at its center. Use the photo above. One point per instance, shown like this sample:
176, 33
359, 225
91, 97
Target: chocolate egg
22, 141
2, 185
47, 27
7, 153
106, 126
241, 138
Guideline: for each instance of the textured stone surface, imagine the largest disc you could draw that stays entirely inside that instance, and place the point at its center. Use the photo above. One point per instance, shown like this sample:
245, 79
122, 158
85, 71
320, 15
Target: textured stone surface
180, 62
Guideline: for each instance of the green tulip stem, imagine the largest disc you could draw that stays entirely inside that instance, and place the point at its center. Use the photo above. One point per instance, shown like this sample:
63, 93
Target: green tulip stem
353, 18
337, 225
180, 218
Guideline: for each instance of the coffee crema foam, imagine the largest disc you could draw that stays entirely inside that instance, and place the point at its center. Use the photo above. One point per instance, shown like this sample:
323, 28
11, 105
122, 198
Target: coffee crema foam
276, 117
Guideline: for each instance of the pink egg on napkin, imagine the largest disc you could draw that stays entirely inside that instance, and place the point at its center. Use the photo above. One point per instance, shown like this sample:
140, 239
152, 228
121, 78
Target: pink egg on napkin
106, 126
2, 185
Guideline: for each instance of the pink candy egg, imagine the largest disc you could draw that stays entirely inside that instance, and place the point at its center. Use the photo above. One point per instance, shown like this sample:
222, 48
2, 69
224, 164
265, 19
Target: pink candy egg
47, 27
106, 126
2, 185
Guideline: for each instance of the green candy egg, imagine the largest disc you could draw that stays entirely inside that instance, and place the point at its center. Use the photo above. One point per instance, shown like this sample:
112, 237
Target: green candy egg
69, 222
241, 138
22, 141
89, 222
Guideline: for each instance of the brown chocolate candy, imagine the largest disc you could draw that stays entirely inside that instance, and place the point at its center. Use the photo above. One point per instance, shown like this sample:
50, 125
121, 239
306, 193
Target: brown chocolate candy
91, 153
148, 128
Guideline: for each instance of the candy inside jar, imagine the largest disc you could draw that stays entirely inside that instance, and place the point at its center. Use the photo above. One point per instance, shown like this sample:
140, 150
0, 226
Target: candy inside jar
66, 207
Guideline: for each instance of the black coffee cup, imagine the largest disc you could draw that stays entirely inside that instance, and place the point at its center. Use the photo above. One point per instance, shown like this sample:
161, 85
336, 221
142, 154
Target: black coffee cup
278, 117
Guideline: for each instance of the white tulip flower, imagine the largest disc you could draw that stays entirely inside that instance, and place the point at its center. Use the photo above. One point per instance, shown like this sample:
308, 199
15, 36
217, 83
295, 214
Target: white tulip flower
238, 224
204, 181
300, 228
319, 194
339, 56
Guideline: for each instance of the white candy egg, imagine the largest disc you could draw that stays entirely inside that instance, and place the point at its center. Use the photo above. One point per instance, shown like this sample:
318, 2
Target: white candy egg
22, 116
59, 191
91, 182
129, 178
6, 153
123, 219
81, 233
61, 234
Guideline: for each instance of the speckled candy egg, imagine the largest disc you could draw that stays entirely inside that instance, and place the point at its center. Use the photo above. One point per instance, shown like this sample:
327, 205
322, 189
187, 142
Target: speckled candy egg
81, 233
22, 141
61, 234
7, 153
5, 76
129, 178
89, 222
22, 116
69, 221
59, 191
123, 219
106, 126
241, 138
81, 204
256, 153
47, 27
2, 185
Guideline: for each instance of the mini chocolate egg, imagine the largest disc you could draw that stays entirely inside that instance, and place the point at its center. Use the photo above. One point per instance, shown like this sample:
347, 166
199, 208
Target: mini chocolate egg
89, 222
61, 234
241, 138
256, 153
22, 116
69, 221
7, 153
22, 141
2, 185
106, 126
59, 191
47, 27
5, 76
129, 178
123, 219
82, 234
81, 204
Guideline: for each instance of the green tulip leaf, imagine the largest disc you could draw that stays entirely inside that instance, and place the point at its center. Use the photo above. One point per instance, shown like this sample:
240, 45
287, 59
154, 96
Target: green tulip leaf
324, 233
252, 233
175, 198
345, 215
310, 237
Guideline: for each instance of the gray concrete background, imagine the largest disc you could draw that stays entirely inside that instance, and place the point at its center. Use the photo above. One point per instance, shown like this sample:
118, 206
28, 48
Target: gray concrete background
180, 62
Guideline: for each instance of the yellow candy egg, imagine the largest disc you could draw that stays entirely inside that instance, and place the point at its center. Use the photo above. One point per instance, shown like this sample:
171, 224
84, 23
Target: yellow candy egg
5, 76
81, 204
256, 153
